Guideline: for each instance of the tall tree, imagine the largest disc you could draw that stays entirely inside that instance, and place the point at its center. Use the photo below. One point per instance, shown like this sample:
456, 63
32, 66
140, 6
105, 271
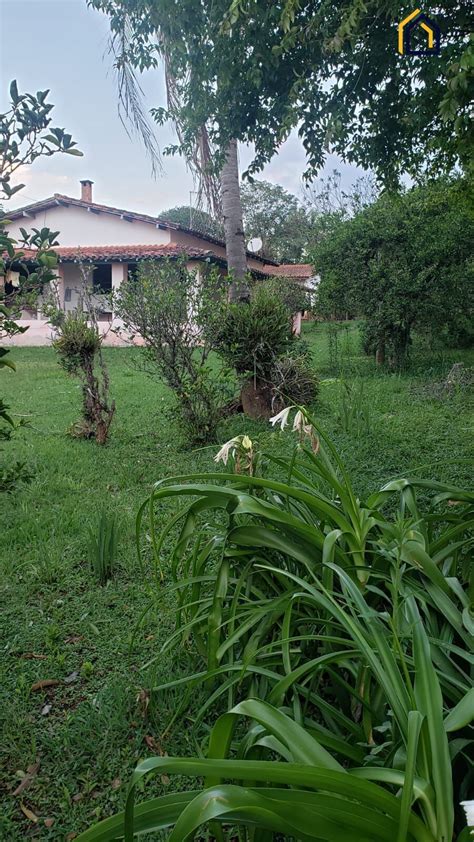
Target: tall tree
145, 33
277, 218
195, 218
326, 195
328, 204
233, 224
252, 71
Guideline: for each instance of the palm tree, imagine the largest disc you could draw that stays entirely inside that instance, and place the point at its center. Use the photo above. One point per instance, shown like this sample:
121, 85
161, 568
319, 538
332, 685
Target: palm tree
233, 225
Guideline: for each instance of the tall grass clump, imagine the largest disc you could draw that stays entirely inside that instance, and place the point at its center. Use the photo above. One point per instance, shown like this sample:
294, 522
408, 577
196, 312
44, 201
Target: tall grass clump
103, 548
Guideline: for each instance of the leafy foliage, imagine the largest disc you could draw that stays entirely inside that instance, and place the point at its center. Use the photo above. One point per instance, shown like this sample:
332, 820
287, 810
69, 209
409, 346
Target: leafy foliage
254, 71
103, 548
79, 347
352, 629
293, 377
169, 306
288, 291
256, 339
77, 343
405, 263
194, 218
354, 411
251, 336
328, 204
25, 135
276, 216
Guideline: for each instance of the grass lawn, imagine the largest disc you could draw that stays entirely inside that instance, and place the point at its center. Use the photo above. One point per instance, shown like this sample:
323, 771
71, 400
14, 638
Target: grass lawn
88, 731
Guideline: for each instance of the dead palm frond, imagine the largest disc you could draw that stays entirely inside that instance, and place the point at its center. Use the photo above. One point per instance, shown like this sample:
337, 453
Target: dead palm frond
132, 111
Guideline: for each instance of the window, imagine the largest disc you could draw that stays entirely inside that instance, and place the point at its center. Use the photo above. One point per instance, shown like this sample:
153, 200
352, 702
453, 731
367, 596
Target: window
102, 278
132, 271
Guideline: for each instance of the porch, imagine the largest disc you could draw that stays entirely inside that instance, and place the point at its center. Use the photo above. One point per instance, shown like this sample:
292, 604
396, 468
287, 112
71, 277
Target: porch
66, 291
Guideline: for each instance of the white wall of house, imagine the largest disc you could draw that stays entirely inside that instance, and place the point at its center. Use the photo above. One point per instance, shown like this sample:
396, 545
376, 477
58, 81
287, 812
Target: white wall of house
80, 227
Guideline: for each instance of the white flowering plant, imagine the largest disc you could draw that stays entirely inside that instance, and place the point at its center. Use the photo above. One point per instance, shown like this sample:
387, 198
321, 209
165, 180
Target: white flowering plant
338, 632
240, 452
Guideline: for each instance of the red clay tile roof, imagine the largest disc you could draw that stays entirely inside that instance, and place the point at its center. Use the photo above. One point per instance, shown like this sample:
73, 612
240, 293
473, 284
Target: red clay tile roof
61, 199
290, 270
131, 253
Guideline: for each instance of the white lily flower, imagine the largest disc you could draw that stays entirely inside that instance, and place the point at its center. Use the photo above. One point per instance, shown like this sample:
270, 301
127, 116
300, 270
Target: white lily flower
302, 426
298, 423
469, 811
226, 449
281, 418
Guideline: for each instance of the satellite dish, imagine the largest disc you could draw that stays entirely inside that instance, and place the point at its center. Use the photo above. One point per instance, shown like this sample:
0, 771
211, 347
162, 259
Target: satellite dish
255, 244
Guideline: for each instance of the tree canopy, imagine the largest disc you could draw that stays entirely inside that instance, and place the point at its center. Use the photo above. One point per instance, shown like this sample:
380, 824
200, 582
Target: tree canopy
404, 263
252, 71
277, 217
195, 218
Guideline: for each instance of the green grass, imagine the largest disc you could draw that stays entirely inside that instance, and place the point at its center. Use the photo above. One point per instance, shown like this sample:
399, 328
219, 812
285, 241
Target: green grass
58, 622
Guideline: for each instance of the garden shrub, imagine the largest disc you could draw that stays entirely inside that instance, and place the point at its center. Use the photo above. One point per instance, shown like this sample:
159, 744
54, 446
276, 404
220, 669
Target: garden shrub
256, 339
253, 334
79, 347
77, 343
294, 379
168, 306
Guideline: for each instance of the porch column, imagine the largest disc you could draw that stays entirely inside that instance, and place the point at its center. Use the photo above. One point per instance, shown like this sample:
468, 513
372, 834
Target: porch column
119, 274
58, 287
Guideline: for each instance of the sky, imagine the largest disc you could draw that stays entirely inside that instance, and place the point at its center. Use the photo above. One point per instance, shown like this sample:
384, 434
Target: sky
62, 45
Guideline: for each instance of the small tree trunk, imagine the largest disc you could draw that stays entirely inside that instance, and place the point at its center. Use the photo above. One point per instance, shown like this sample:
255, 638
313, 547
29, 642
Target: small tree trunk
380, 352
103, 425
233, 225
256, 399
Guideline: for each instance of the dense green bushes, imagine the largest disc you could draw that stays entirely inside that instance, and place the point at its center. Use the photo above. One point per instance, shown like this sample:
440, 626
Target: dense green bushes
183, 317
256, 339
252, 334
169, 307
405, 263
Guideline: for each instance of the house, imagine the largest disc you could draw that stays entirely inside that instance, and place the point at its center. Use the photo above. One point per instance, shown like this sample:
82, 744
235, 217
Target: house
113, 241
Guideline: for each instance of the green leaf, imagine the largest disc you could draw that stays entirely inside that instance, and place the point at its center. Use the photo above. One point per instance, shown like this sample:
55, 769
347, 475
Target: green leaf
430, 703
462, 714
154, 815
14, 92
286, 774
415, 720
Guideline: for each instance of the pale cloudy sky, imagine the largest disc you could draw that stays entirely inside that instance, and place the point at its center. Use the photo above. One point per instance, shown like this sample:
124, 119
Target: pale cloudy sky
62, 45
